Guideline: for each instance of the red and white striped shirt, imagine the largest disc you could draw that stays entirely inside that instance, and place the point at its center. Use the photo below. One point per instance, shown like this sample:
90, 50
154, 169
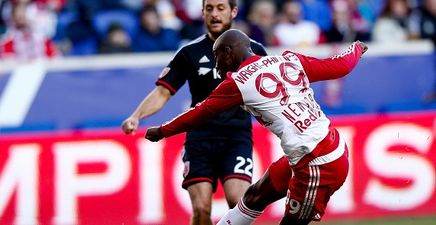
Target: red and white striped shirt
27, 45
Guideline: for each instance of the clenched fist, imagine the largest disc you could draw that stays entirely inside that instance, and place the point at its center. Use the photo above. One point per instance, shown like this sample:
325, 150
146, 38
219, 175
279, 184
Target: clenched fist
130, 125
154, 134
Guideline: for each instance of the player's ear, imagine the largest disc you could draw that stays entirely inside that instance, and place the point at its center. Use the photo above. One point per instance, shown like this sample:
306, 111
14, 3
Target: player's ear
235, 12
228, 50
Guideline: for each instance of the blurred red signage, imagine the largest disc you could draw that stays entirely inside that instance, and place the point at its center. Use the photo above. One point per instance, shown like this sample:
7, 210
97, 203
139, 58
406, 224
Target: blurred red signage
106, 177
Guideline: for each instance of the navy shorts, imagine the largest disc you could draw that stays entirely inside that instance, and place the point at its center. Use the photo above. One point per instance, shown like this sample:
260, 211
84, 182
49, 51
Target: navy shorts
210, 160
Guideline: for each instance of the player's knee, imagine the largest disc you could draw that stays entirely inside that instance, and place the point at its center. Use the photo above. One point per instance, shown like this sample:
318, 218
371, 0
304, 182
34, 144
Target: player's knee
201, 213
202, 208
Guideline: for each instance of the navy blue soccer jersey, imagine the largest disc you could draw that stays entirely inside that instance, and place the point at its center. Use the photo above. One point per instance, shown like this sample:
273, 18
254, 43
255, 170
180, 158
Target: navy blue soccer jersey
195, 63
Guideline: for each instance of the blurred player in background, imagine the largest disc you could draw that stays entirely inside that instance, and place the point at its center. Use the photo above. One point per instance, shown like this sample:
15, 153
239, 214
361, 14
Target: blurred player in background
276, 90
222, 148
27, 36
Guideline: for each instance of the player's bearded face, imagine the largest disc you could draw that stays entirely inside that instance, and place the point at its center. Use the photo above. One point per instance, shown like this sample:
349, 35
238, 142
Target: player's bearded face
218, 16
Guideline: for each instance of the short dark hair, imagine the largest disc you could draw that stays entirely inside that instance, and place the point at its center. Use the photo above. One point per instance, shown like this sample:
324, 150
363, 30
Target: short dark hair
232, 3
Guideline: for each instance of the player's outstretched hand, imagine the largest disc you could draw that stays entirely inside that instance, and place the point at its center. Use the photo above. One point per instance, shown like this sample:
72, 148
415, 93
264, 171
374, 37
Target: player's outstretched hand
364, 46
153, 134
130, 125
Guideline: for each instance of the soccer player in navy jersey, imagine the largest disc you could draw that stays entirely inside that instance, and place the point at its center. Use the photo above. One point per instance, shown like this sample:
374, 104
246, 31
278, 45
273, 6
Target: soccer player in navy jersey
220, 149
276, 89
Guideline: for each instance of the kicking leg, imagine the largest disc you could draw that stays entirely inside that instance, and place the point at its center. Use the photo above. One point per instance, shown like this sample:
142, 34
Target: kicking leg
262, 193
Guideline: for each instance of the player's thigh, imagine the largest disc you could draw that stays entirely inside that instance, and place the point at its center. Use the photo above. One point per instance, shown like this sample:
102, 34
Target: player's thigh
280, 173
201, 195
198, 159
311, 187
234, 189
235, 160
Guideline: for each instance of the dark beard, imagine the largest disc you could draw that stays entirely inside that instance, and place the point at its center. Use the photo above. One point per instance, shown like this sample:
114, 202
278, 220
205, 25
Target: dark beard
215, 35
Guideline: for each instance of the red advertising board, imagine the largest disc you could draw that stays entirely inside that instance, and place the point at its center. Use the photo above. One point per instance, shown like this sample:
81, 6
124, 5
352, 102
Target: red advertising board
106, 177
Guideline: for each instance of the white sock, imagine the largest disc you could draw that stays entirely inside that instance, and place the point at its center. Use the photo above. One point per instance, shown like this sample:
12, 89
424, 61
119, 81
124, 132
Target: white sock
239, 215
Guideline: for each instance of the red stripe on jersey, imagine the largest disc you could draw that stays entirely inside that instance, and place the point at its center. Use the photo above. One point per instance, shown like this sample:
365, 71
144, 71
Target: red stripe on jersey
167, 85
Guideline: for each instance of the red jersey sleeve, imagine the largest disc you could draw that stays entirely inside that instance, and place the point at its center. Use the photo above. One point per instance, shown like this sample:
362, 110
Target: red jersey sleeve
331, 68
224, 97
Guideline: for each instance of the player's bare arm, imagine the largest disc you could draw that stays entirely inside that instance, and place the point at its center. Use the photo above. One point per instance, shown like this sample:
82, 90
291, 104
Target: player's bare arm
224, 97
151, 104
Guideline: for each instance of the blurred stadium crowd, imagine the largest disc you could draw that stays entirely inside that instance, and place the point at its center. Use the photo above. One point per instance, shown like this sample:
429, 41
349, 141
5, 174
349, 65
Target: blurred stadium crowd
40, 28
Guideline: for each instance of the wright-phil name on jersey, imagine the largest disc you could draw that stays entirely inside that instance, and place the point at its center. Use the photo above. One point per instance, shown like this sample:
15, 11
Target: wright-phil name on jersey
279, 80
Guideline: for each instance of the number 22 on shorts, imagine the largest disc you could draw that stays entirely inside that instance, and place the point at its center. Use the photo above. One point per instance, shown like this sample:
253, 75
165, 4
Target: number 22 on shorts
244, 166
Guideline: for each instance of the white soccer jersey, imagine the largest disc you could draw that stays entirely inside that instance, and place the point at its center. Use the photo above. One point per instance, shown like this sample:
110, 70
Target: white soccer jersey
275, 89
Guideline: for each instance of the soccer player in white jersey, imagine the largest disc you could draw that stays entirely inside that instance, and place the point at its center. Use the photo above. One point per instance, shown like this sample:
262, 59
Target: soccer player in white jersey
275, 89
